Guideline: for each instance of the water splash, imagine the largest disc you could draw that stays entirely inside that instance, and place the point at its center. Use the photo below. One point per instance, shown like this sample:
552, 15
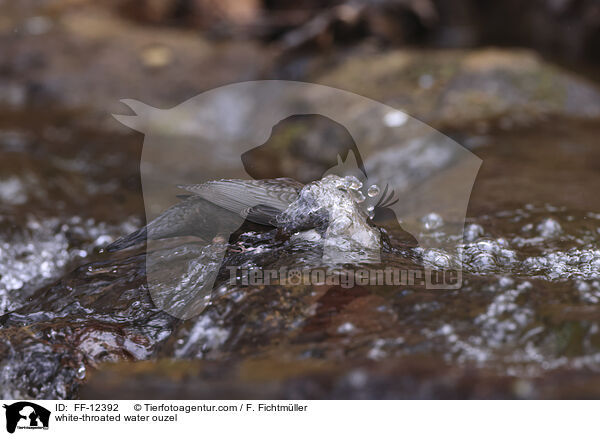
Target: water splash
348, 236
42, 249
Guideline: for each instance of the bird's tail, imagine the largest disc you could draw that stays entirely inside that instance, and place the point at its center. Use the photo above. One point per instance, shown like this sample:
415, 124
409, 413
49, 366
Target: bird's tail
130, 240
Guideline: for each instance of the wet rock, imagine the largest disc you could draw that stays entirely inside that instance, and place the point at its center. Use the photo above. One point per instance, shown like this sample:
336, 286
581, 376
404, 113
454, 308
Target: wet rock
33, 368
472, 91
101, 312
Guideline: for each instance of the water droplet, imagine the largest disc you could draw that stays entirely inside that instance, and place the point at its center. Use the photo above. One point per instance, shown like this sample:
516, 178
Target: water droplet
358, 196
371, 211
373, 191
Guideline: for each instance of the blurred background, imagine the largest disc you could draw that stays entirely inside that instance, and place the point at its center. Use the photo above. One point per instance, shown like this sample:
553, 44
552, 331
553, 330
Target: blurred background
78, 53
515, 82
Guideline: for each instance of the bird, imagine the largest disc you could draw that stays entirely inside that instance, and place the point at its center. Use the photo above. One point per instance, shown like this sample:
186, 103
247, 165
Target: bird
217, 208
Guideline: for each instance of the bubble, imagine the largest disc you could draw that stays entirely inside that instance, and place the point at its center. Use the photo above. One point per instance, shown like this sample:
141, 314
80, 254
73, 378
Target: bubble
549, 228
437, 258
373, 191
472, 232
489, 254
486, 246
432, 221
506, 257
484, 262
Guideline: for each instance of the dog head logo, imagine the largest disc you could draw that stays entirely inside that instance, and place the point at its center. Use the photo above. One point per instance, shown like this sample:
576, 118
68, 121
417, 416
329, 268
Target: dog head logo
26, 415
406, 172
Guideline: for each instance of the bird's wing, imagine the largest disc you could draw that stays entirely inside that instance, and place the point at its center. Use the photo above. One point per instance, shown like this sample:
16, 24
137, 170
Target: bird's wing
259, 201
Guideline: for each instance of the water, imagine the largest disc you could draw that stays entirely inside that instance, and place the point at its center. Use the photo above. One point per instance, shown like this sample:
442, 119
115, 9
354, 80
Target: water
347, 234
527, 313
43, 250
